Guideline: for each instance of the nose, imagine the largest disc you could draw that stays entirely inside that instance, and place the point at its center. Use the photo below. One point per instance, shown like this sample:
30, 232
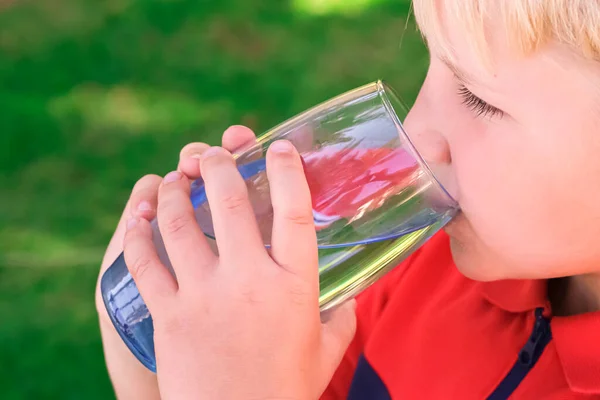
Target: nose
426, 133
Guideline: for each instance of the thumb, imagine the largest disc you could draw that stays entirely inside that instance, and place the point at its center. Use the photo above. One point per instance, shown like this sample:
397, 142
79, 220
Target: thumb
338, 332
237, 137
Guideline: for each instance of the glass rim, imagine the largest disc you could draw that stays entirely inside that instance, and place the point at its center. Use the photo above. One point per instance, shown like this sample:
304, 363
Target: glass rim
389, 96
341, 98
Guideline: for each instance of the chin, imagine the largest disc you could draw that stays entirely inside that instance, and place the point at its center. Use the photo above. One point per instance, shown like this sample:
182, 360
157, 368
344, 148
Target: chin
470, 262
466, 254
473, 270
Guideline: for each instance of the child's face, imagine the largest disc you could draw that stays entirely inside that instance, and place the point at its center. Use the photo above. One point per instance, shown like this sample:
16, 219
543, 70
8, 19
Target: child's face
528, 181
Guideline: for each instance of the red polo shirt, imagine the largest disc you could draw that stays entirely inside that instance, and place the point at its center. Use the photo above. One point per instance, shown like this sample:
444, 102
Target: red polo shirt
427, 332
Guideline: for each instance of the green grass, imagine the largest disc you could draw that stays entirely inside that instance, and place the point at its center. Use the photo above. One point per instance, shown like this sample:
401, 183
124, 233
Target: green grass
95, 94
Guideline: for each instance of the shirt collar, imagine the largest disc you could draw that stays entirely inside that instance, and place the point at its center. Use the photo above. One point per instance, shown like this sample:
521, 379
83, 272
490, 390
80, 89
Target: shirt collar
575, 338
517, 295
577, 343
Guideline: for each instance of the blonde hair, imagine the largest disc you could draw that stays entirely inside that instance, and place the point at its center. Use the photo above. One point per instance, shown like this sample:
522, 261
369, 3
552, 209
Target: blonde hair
529, 24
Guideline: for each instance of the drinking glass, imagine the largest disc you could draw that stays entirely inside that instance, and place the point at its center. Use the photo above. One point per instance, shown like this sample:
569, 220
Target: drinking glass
375, 201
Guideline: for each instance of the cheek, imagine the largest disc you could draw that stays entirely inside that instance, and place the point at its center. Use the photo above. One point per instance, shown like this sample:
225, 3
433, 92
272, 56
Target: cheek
524, 203
499, 196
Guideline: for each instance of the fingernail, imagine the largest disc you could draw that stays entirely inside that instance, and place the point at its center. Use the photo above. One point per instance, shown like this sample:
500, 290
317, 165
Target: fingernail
282, 147
213, 151
197, 156
144, 206
172, 177
131, 222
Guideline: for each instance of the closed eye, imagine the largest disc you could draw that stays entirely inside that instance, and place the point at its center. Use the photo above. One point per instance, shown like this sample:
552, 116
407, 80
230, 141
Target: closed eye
478, 106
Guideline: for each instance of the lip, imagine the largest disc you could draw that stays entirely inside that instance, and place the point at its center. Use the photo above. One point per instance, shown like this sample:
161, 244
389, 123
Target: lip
453, 227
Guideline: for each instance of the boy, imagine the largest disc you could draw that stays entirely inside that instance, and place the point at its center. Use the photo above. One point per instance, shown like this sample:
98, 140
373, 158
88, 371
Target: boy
506, 303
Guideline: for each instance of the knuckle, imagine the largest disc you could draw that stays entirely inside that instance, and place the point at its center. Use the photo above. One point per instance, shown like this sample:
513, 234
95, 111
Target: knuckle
234, 202
139, 267
176, 224
299, 216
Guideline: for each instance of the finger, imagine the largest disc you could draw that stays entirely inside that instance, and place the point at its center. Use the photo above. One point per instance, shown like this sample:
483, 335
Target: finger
186, 245
189, 158
242, 142
302, 138
144, 197
237, 137
141, 203
294, 244
236, 230
337, 333
153, 280
234, 138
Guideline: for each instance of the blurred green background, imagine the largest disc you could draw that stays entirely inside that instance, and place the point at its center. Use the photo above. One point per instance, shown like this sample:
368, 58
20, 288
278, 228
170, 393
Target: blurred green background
95, 94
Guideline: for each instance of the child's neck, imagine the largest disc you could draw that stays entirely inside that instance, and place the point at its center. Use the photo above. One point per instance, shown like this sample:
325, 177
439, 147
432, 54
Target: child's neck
575, 294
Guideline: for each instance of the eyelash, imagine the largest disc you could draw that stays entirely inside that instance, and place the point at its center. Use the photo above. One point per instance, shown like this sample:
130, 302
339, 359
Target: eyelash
477, 105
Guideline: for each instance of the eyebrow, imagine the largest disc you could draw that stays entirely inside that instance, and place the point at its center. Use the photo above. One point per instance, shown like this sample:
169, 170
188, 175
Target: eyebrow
459, 73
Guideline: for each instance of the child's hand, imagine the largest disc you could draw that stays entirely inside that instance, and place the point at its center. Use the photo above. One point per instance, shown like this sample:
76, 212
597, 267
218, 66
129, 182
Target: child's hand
131, 380
245, 324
